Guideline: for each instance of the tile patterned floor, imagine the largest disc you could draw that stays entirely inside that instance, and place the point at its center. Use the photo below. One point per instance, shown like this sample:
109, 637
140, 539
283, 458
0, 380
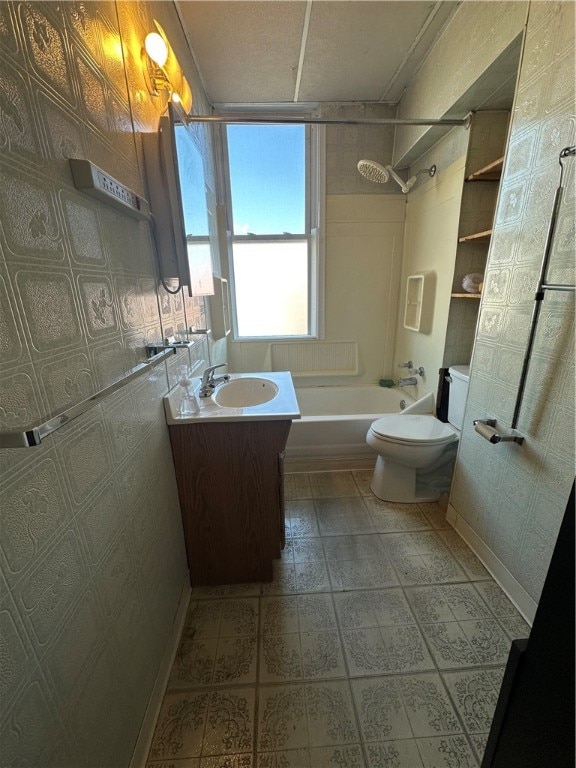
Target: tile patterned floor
380, 642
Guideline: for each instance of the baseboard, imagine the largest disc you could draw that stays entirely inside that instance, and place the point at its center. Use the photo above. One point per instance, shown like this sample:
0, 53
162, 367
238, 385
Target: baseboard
515, 591
328, 464
140, 754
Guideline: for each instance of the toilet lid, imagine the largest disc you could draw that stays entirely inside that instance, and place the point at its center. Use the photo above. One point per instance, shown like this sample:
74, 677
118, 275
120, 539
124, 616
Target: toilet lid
412, 428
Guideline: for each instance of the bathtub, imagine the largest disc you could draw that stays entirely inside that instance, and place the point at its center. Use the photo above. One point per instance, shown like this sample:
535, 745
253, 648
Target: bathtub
335, 421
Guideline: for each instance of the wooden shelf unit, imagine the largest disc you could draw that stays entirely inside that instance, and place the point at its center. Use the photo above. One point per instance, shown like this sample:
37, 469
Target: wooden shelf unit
490, 172
477, 237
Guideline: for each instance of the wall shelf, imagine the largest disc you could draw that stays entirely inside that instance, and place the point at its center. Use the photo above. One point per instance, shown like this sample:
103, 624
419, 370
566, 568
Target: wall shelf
476, 237
465, 295
490, 172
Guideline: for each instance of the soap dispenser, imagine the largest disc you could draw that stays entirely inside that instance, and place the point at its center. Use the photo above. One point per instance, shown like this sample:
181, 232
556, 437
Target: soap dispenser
188, 402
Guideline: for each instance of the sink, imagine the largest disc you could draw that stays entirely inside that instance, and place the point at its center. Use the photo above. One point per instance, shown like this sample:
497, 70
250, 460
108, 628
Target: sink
245, 392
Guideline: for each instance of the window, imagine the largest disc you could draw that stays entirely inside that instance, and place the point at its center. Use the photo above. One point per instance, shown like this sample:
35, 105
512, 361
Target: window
273, 210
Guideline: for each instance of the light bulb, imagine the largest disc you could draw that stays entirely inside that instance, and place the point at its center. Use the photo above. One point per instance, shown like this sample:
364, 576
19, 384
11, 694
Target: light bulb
156, 48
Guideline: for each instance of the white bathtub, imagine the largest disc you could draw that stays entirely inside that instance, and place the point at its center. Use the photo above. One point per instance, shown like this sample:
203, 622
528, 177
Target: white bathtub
335, 421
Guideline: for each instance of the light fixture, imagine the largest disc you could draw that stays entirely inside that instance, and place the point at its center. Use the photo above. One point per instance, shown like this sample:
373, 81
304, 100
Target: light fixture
162, 71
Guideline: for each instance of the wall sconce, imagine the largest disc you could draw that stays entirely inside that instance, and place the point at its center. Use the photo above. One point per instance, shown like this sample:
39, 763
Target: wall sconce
162, 71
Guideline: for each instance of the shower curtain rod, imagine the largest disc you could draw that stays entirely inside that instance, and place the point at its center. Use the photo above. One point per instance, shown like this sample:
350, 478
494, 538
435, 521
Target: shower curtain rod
283, 119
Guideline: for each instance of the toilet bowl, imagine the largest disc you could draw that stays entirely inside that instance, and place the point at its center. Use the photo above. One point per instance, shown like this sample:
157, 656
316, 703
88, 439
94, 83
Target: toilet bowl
416, 450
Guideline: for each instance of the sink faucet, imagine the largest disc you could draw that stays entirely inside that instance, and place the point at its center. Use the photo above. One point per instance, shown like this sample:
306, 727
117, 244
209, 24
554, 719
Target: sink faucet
209, 381
410, 381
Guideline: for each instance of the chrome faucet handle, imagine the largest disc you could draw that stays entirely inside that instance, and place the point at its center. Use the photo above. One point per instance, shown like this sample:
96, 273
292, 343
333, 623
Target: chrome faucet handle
408, 365
420, 371
209, 373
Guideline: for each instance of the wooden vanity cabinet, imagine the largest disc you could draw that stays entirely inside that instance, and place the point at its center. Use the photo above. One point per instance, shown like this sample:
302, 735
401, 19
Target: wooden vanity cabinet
230, 483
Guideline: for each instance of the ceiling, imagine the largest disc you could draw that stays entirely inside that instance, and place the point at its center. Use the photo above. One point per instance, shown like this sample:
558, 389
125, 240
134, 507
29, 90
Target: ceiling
310, 51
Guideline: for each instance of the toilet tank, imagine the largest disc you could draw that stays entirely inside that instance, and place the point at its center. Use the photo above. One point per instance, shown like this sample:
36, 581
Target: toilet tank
459, 375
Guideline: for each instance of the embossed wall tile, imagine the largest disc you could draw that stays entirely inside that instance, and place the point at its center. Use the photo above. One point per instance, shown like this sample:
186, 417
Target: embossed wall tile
9, 38
73, 648
496, 282
35, 508
85, 237
46, 49
519, 154
18, 120
115, 575
33, 728
46, 594
93, 93
97, 297
66, 381
11, 348
29, 219
100, 522
110, 362
85, 458
17, 655
122, 425
63, 133
51, 312
490, 322
20, 399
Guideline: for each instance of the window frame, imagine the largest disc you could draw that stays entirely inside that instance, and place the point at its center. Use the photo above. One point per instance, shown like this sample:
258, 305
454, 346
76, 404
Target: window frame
315, 160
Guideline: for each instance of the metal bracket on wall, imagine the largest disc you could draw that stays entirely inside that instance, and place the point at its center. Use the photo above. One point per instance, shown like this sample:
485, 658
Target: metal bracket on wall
543, 285
33, 436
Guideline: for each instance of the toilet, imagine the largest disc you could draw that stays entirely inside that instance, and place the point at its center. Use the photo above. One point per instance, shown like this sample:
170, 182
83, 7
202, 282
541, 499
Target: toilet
416, 451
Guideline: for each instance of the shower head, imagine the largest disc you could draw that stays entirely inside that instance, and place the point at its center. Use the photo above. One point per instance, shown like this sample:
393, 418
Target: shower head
373, 171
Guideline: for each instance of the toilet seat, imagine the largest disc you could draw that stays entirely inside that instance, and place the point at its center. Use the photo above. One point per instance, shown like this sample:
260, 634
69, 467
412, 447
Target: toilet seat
412, 429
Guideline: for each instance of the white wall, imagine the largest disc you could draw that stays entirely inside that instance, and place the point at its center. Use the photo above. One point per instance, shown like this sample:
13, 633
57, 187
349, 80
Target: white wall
430, 242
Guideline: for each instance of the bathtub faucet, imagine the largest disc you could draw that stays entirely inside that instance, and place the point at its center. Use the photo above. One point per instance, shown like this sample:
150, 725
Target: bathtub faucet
410, 381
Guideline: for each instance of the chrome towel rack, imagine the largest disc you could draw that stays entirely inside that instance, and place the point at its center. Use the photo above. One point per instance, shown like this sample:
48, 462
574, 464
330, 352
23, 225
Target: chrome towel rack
543, 285
33, 436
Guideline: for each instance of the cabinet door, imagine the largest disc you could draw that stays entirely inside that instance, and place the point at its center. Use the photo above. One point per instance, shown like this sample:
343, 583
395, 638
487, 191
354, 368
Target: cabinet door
281, 514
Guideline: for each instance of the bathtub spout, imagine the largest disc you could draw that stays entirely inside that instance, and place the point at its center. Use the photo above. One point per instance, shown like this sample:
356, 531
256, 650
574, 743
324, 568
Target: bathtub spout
410, 381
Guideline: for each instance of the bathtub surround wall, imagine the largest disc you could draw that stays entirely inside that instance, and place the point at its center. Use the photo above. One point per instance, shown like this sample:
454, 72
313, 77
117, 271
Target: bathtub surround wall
91, 550
430, 240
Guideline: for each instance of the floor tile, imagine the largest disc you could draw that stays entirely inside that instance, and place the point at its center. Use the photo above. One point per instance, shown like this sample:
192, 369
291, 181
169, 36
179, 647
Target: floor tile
475, 697
331, 716
435, 514
496, 600
353, 547
311, 577
447, 751
316, 612
230, 722
428, 569
322, 655
280, 658
394, 754
332, 485
413, 543
363, 478
447, 602
282, 723
301, 519
381, 641
180, 726
341, 756
297, 486
370, 573
428, 706
381, 713
389, 518
307, 550
375, 608
279, 615
343, 516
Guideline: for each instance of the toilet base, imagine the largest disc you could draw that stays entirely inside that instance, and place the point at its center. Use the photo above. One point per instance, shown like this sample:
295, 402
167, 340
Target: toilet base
395, 482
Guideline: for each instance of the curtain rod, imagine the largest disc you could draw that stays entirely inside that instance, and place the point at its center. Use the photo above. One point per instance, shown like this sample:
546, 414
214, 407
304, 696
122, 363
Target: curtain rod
283, 119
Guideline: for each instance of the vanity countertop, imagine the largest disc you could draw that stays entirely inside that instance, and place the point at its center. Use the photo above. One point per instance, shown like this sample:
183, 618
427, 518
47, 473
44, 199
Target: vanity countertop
284, 406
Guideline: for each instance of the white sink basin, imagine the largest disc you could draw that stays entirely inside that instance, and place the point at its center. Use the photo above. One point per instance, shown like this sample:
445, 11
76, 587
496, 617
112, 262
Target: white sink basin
245, 392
